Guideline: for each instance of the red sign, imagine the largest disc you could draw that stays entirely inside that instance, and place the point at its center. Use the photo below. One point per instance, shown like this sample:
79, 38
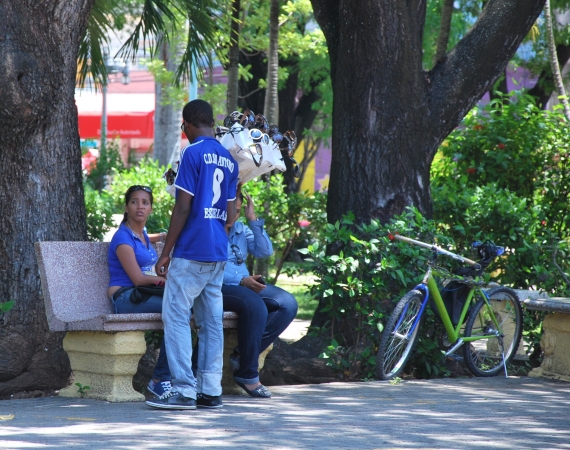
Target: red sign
119, 124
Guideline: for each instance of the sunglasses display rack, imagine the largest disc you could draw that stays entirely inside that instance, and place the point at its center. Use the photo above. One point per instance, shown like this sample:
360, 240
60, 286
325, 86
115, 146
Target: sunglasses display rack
257, 147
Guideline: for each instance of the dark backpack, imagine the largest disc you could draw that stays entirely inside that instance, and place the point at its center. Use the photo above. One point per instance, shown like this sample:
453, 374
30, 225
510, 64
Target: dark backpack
454, 296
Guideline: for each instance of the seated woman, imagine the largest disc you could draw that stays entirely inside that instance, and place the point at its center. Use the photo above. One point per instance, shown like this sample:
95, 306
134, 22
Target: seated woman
131, 263
265, 311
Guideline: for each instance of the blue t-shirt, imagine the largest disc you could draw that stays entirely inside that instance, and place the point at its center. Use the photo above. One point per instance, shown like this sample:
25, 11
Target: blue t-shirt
208, 172
145, 254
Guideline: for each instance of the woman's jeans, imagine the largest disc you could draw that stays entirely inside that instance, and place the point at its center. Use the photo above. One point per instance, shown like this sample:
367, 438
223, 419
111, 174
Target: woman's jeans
263, 317
152, 305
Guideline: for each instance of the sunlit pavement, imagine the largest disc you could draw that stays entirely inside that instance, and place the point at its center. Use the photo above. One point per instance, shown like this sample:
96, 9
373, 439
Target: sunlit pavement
492, 413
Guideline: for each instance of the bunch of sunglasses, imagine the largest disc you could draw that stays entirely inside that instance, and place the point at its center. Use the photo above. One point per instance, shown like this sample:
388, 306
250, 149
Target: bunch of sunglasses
261, 132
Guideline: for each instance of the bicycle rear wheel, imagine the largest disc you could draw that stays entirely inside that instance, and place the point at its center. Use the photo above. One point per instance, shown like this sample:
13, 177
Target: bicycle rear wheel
399, 336
484, 358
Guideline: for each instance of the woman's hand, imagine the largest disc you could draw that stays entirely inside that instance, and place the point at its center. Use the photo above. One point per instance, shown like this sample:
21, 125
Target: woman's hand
249, 208
160, 281
252, 283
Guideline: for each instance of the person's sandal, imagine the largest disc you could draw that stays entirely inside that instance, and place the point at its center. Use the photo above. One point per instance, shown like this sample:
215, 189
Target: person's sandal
259, 392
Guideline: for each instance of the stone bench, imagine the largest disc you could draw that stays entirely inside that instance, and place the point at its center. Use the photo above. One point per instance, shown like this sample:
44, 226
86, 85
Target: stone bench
555, 340
104, 348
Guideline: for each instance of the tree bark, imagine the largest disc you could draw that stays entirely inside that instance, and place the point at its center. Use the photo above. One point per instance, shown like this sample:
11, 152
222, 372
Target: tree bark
444, 29
41, 192
167, 117
233, 66
552, 56
270, 109
389, 115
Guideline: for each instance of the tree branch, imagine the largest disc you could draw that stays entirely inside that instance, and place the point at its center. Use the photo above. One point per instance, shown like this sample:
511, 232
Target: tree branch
471, 68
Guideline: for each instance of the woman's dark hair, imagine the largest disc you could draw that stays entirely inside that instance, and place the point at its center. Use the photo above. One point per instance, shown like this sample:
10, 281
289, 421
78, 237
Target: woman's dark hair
129, 193
199, 113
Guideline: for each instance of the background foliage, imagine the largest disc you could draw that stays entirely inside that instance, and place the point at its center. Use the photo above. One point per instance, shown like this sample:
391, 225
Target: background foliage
504, 175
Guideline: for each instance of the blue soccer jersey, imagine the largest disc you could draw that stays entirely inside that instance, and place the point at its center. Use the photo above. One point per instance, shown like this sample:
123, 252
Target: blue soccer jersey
208, 172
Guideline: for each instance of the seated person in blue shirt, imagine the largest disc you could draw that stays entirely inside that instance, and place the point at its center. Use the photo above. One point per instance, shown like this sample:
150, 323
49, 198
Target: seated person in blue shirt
265, 311
131, 263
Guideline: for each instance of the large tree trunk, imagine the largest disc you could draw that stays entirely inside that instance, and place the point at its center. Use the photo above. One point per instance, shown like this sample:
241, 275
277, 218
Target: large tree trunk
167, 116
41, 194
389, 115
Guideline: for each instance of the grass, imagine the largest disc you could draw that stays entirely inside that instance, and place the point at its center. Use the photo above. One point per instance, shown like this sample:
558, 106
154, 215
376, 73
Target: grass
298, 287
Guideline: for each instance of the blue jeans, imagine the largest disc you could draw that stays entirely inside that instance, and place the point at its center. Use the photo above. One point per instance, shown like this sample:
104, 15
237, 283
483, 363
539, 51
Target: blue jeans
193, 284
152, 305
263, 317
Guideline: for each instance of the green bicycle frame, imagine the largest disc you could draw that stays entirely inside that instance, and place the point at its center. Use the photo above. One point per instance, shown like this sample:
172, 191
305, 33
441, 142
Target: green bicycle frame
454, 333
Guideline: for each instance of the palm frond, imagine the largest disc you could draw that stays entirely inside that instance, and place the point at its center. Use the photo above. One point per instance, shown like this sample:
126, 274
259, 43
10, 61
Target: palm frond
158, 18
201, 39
90, 59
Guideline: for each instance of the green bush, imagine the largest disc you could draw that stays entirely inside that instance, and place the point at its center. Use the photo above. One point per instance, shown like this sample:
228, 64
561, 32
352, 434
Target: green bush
147, 173
504, 175
361, 275
99, 208
109, 160
284, 214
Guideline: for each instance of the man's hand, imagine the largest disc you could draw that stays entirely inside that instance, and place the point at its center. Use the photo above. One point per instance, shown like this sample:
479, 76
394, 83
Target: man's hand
251, 283
161, 267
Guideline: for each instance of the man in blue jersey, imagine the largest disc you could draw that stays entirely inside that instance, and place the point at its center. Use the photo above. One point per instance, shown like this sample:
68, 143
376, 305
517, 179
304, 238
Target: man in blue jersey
205, 194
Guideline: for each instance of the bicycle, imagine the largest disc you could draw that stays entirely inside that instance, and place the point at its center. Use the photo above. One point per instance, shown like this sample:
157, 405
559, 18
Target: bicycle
489, 325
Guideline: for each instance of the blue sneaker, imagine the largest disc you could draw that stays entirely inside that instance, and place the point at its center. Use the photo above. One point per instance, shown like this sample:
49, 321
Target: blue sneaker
172, 400
159, 388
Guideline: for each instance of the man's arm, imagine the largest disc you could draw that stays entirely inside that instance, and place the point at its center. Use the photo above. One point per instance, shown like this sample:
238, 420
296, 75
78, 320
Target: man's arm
177, 221
231, 211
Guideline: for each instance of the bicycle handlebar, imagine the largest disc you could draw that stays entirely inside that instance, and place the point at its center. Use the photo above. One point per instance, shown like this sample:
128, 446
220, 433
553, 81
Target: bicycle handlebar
436, 248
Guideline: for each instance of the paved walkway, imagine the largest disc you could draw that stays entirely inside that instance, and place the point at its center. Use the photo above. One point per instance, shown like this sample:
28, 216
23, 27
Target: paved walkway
492, 413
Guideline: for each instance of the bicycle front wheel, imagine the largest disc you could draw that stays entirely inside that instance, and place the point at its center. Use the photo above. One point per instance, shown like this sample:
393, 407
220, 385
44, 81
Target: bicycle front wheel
484, 357
399, 336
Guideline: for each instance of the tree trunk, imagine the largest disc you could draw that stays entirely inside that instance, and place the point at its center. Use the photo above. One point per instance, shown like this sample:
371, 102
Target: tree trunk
544, 86
167, 116
552, 56
270, 108
389, 115
444, 29
42, 197
233, 66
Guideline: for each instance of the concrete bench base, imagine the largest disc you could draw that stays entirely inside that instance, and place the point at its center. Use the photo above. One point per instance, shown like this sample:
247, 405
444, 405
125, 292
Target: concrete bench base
555, 343
555, 340
107, 362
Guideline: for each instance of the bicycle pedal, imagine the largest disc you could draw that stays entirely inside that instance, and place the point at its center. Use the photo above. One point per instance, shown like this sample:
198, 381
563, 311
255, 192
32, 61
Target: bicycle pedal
455, 358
